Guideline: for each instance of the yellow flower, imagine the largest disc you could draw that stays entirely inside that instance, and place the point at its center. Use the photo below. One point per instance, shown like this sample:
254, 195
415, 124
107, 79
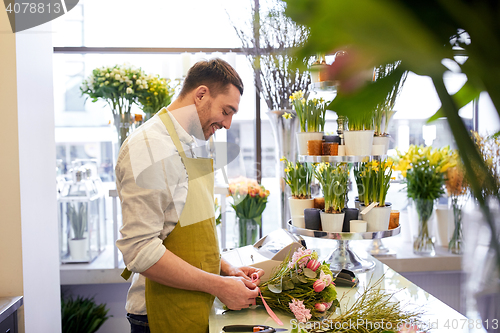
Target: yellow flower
287, 115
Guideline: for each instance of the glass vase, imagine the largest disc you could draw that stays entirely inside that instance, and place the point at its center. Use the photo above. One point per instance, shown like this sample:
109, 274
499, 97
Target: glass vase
423, 244
248, 230
123, 124
456, 243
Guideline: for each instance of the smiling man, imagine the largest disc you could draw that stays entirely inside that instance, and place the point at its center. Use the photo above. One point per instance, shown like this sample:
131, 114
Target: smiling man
169, 239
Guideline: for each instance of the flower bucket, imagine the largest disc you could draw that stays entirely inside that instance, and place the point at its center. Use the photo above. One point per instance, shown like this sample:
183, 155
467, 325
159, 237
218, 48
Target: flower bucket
381, 140
303, 137
377, 218
297, 206
248, 230
358, 143
332, 222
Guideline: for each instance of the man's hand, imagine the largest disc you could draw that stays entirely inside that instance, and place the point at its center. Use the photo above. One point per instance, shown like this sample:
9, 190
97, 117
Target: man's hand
246, 272
237, 292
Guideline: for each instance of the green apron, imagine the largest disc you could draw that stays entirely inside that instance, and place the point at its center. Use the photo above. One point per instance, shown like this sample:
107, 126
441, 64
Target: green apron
194, 239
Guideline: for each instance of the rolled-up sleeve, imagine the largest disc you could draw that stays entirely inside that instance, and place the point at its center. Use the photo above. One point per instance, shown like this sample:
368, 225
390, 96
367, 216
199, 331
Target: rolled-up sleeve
143, 210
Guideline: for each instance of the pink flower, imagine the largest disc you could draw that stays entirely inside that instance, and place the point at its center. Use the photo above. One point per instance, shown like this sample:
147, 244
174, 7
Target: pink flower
299, 310
313, 265
327, 278
297, 255
328, 305
320, 307
319, 285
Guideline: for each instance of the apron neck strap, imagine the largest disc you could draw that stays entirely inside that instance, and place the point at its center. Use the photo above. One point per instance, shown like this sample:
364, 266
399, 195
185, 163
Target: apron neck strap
165, 118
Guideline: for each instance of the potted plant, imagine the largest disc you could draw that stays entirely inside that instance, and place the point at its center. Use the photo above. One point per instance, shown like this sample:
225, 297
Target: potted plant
373, 181
249, 201
358, 139
424, 169
299, 176
333, 180
82, 315
78, 244
120, 87
384, 109
311, 116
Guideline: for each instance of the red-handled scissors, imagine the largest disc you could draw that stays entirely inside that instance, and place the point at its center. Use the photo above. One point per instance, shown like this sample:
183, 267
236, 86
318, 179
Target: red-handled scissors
252, 328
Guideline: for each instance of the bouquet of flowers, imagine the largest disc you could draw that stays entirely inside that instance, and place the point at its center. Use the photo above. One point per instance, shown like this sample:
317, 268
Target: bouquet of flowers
250, 200
119, 86
373, 180
158, 94
311, 112
333, 180
424, 170
249, 197
299, 177
301, 286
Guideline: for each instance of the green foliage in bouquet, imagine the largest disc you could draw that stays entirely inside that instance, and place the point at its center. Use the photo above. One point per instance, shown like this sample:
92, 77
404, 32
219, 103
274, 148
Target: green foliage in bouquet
119, 86
424, 169
299, 177
250, 198
373, 180
301, 286
333, 180
311, 112
158, 94
78, 219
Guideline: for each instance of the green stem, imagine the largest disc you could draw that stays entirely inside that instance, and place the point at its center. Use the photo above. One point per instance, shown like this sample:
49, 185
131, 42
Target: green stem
470, 156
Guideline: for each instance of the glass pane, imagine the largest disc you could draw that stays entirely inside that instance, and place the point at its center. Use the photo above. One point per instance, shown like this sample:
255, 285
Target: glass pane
148, 23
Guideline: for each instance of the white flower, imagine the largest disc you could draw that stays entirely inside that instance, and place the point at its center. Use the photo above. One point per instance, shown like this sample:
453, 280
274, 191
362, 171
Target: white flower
138, 82
141, 86
106, 75
130, 91
107, 82
117, 77
134, 76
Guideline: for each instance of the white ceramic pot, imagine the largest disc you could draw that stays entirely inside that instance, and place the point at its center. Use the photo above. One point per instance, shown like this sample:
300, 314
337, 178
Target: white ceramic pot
341, 151
357, 226
378, 150
381, 140
377, 218
303, 137
332, 222
299, 221
78, 248
297, 206
358, 143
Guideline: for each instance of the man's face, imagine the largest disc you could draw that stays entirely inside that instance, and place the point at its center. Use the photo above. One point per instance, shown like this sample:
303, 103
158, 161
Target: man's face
216, 113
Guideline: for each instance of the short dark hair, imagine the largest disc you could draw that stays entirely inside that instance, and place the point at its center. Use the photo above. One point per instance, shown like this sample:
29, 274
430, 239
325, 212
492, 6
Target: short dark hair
215, 73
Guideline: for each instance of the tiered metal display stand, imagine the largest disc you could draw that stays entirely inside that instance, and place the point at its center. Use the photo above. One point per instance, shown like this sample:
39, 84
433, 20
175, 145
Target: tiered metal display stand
343, 256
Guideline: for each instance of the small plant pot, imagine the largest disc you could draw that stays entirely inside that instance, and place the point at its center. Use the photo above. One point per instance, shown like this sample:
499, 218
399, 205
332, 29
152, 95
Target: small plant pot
377, 218
298, 221
378, 150
332, 222
312, 218
358, 143
357, 226
382, 140
303, 137
297, 206
78, 249
350, 214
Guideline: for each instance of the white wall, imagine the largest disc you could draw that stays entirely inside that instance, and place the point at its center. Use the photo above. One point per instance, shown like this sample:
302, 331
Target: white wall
30, 253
